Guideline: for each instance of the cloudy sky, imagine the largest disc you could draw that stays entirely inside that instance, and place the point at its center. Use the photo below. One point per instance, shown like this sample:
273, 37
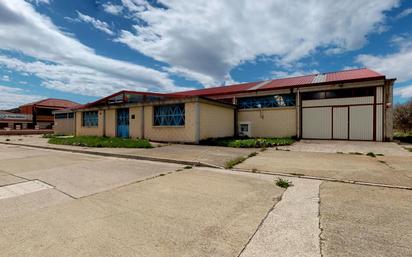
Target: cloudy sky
85, 49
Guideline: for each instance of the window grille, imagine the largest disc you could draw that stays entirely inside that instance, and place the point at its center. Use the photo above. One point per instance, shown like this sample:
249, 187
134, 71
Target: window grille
60, 116
90, 119
271, 101
169, 115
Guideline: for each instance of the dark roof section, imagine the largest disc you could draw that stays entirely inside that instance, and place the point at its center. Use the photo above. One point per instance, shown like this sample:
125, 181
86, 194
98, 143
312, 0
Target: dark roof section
54, 103
307, 80
105, 99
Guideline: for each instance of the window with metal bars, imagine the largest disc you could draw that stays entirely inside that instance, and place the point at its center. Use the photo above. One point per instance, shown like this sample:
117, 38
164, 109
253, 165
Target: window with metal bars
90, 119
60, 116
169, 115
269, 101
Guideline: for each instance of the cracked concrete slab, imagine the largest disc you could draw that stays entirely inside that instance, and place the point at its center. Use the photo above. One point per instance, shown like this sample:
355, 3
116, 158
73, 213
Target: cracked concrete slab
329, 165
30, 203
86, 178
189, 213
22, 188
365, 221
292, 228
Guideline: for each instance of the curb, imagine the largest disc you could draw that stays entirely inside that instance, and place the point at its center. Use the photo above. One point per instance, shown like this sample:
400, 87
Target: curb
123, 156
362, 183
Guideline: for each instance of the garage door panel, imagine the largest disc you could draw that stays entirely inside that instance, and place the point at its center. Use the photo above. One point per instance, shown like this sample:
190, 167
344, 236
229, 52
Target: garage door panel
340, 123
361, 122
317, 123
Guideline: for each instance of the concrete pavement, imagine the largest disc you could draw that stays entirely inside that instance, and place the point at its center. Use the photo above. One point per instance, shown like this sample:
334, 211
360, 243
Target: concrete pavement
173, 215
345, 146
365, 221
292, 228
212, 156
103, 206
348, 167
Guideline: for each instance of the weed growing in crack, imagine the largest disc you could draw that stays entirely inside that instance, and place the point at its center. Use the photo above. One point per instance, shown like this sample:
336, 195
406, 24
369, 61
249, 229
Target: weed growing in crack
283, 183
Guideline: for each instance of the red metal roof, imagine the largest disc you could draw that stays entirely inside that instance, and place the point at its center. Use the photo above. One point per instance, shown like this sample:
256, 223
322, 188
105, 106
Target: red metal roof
54, 103
219, 90
307, 80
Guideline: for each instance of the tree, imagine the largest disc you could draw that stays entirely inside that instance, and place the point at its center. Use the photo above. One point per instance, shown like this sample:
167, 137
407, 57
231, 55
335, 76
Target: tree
402, 117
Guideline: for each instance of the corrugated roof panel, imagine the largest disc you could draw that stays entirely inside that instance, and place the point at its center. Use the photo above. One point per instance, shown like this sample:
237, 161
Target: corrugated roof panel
218, 90
289, 82
352, 74
320, 78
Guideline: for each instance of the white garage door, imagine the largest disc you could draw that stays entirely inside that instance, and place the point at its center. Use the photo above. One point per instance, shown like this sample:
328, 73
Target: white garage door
352, 121
316, 123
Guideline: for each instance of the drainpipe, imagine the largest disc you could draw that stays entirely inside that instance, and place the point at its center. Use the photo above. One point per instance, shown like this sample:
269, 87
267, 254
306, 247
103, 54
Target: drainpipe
235, 114
104, 123
142, 122
298, 114
197, 121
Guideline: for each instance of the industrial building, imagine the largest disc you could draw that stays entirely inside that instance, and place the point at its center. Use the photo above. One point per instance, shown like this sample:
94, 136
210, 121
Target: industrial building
345, 105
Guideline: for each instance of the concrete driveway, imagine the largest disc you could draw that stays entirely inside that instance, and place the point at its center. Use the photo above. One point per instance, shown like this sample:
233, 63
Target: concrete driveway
344, 146
100, 206
390, 170
55, 203
209, 155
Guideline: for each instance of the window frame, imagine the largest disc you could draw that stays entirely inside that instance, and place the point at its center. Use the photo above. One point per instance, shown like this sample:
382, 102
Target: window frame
267, 101
170, 118
90, 122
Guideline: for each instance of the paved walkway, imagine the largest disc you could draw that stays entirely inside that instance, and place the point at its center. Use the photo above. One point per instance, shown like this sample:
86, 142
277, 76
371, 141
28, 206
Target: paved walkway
336, 146
387, 170
212, 156
292, 228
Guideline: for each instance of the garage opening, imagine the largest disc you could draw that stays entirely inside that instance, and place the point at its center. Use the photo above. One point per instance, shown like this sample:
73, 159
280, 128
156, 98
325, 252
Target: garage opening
346, 114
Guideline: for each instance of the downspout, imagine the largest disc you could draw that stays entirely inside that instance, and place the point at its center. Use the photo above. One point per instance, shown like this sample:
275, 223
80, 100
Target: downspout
235, 120
142, 121
104, 122
197, 121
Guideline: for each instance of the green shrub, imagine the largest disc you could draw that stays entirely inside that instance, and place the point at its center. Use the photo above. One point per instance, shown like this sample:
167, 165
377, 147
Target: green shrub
371, 154
232, 163
405, 137
244, 142
92, 141
284, 183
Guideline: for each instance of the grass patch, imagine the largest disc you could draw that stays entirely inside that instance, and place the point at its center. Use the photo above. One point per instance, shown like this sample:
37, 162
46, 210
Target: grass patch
232, 163
92, 141
356, 153
283, 183
187, 167
371, 154
252, 154
245, 142
405, 137
409, 149
48, 135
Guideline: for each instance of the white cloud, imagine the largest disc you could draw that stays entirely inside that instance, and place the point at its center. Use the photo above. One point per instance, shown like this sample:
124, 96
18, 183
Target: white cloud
11, 97
286, 74
97, 24
5, 78
392, 65
112, 8
37, 2
404, 13
63, 62
403, 92
204, 40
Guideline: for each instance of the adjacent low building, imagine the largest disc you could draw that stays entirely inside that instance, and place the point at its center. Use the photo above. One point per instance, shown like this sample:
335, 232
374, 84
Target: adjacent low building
10, 120
346, 105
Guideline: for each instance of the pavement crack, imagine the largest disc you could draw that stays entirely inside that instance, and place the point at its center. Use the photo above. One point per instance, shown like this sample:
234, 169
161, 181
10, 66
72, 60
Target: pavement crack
321, 239
261, 224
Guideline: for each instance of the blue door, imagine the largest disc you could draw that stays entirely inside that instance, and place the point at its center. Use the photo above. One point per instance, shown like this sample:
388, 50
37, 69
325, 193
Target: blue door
123, 122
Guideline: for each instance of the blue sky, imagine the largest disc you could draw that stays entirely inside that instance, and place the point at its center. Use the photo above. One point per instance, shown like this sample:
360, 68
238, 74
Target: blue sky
82, 49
